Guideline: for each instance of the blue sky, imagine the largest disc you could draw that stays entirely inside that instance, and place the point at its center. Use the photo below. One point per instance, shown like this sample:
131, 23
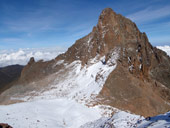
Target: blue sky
49, 23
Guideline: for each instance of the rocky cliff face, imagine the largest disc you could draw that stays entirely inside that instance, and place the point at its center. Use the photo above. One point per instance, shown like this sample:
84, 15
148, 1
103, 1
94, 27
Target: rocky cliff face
141, 81
137, 82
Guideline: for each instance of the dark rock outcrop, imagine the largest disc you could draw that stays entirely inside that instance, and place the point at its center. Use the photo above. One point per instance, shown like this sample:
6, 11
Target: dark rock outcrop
9, 74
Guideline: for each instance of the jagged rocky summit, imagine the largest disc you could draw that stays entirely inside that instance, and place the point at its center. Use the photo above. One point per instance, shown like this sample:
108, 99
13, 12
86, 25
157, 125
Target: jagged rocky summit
122, 68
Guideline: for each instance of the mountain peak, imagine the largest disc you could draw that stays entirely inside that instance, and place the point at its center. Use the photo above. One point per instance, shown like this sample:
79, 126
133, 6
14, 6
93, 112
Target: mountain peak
107, 11
31, 61
111, 31
107, 16
110, 22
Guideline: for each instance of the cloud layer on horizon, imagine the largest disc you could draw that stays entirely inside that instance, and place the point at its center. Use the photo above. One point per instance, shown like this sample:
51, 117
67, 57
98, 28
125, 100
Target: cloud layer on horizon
22, 56
165, 49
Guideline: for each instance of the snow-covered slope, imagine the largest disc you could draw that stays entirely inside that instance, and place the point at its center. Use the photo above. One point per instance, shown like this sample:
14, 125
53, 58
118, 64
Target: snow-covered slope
120, 119
63, 113
82, 83
22, 56
63, 103
56, 113
160, 121
126, 120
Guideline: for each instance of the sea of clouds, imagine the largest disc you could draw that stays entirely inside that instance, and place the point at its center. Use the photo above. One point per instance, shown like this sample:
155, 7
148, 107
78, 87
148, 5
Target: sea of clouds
165, 48
22, 56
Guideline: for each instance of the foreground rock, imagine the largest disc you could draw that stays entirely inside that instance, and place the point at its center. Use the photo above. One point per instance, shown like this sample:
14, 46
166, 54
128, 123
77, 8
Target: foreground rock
4, 125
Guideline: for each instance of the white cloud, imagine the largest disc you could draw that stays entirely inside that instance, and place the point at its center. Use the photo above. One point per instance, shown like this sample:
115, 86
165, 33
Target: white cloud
22, 56
165, 48
149, 14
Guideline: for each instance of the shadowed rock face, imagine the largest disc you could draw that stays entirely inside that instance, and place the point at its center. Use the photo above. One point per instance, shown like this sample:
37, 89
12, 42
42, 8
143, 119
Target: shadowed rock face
141, 81
9, 74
